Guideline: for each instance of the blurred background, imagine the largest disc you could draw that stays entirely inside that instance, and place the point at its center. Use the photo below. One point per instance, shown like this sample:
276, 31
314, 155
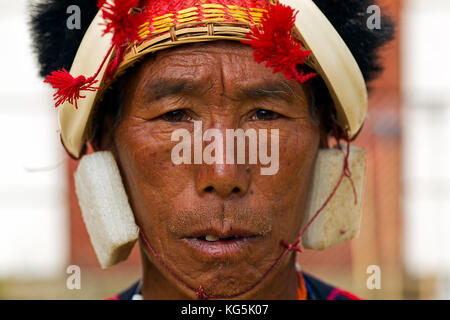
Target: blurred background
404, 229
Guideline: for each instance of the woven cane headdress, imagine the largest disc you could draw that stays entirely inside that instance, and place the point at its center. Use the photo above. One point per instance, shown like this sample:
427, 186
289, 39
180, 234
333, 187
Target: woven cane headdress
283, 35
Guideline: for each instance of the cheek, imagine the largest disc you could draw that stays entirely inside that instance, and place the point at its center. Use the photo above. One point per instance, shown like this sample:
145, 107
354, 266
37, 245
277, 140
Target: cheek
298, 152
151, 178
288, 189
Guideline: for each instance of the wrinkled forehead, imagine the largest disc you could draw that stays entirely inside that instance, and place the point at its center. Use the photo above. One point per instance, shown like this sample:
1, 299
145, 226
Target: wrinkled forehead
206, 61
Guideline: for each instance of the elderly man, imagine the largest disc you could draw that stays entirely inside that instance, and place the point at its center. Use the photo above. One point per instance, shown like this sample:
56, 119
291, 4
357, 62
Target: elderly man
214, 152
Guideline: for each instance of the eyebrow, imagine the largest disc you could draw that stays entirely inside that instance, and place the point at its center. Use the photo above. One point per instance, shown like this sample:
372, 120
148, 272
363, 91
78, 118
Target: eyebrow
166, 88
279, 90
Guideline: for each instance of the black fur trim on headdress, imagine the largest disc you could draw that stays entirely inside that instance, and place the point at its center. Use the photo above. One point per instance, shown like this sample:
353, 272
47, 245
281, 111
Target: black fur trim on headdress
349, 18
56, 45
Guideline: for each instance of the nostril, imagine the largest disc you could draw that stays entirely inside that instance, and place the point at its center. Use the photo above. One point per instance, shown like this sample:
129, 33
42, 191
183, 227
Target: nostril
211, 189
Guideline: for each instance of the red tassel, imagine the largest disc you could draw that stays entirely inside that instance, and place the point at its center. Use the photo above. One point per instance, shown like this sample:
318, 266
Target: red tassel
275, 44
123, 20
68, 87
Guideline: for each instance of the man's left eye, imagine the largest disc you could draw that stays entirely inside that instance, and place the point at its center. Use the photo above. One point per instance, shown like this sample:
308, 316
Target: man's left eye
265, 115
175, 116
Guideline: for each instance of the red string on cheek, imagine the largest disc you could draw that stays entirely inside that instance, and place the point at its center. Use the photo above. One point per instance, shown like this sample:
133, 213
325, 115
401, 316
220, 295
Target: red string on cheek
166, 267
200, 292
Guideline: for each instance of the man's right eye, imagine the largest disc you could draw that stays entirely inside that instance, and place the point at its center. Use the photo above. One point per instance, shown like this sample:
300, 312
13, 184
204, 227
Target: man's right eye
175, 116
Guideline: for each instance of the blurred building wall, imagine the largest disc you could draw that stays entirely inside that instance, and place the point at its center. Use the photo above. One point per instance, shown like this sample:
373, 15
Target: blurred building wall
33, 211
426, 132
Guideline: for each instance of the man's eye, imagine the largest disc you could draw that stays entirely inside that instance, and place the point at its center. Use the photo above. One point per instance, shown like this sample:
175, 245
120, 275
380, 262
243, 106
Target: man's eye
175, 116
262, 114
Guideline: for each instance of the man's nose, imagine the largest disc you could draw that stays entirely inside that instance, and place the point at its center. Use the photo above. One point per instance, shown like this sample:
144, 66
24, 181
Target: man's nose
225, 180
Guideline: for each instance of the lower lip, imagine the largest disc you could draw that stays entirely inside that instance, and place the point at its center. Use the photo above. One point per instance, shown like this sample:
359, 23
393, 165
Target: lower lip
219, 249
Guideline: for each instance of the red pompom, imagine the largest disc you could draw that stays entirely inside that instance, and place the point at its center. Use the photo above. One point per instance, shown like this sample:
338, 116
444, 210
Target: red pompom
68, 87
275, 44
123, 19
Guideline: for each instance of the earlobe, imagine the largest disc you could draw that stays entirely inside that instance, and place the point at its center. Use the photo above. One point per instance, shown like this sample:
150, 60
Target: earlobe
105, 208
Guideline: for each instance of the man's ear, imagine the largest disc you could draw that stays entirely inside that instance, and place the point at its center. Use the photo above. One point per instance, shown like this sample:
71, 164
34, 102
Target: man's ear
324, 131
105, 142
323, 144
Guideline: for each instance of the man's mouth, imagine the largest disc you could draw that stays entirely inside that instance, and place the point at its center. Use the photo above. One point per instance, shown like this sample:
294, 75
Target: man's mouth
220, 245
212, 238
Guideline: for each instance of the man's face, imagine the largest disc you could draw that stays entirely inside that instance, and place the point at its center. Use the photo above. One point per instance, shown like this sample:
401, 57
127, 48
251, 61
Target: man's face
178, 206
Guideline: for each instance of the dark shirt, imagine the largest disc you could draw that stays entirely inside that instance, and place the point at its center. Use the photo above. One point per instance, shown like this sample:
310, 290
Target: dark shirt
317, 290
